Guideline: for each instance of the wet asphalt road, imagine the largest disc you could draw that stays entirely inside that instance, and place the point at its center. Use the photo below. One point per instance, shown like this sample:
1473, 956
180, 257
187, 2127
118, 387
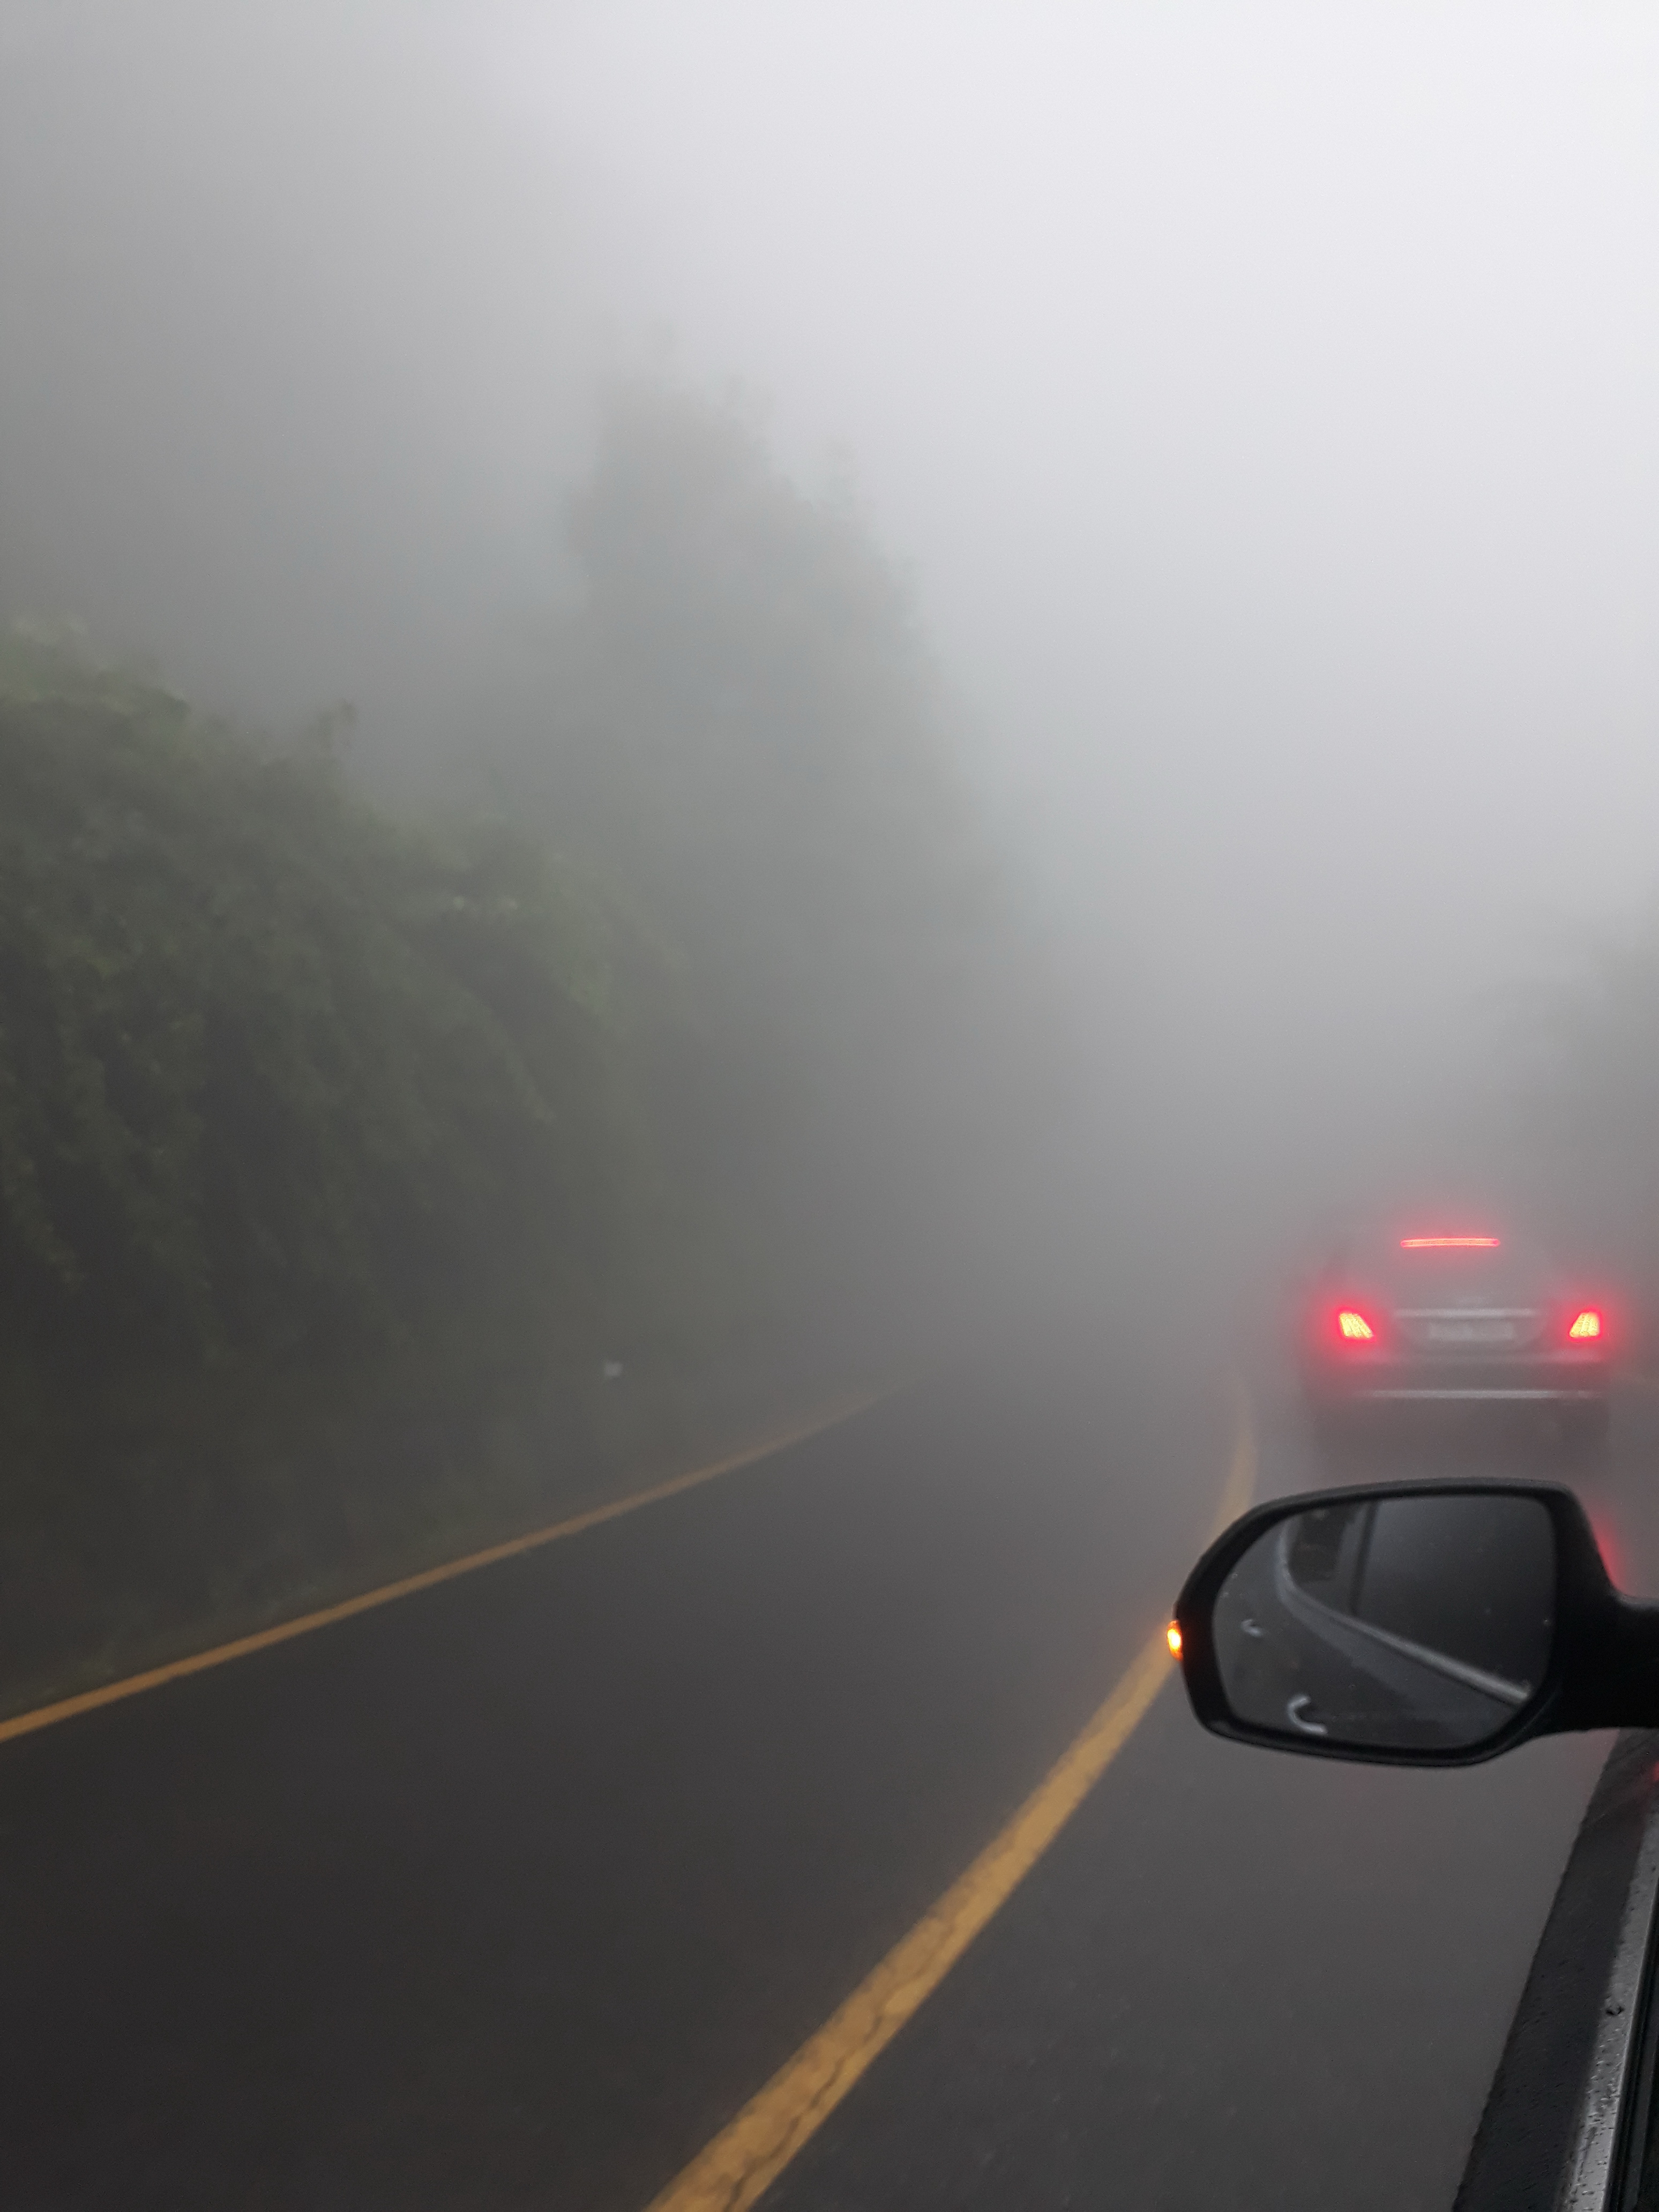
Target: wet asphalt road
510, 1894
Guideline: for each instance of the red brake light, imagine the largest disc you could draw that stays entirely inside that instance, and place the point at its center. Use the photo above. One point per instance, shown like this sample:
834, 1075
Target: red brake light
1587, 1326
1450, 1243
1354, 1328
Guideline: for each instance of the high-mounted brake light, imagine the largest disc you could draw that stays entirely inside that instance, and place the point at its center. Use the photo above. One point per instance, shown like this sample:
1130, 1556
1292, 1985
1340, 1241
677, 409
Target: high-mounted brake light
1354, 1326
1450, 1243
1587, 1325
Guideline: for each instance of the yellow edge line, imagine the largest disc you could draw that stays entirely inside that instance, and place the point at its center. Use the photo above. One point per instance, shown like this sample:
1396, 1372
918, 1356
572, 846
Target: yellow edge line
736, 2169
196, 1663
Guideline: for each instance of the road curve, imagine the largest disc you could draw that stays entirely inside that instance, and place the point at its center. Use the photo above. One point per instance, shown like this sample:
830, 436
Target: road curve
515, 1891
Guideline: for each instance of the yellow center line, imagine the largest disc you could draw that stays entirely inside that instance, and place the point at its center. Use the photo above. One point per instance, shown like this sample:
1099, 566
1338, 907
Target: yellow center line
107, 1693
736, 2169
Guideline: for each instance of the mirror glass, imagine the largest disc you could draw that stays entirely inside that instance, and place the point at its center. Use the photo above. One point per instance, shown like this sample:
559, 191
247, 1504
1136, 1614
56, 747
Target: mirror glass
1408, 1624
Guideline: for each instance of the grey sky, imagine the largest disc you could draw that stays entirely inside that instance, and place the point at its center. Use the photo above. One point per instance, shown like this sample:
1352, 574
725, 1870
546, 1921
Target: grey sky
1266, 391
1265, 397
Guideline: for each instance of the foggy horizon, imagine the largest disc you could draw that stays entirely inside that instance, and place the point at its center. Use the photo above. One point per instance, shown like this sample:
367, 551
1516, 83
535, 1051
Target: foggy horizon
1258, 408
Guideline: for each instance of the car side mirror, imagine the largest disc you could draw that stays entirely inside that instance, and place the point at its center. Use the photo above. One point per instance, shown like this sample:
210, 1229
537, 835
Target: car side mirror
1421, 1624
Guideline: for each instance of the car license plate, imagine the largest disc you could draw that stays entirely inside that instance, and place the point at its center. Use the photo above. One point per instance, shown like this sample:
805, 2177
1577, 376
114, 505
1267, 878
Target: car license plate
1471, 1332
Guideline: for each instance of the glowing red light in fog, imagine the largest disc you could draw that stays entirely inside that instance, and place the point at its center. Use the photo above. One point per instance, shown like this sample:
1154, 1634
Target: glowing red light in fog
1588, 1324
1450, 1243
1354, 1326
1608, 1543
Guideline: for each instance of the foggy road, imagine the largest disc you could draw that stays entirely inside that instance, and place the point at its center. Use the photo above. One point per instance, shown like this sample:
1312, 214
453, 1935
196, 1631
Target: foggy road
513, 1893
699, 701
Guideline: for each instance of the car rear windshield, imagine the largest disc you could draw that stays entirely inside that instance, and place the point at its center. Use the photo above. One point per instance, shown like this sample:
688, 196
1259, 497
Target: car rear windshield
1506, 1271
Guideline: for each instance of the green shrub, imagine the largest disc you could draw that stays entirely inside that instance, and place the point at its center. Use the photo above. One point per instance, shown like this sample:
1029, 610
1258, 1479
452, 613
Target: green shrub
276, 1074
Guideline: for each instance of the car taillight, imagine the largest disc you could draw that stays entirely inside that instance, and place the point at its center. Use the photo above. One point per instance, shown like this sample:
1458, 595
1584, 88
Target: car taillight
1586, 1326
1353, 1327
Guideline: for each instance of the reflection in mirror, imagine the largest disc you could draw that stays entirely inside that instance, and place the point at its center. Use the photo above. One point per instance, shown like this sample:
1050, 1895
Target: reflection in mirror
1405, 1623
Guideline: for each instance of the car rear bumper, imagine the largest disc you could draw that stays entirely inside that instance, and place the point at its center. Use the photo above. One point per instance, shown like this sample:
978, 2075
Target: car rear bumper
1566, 1381
1514, 1394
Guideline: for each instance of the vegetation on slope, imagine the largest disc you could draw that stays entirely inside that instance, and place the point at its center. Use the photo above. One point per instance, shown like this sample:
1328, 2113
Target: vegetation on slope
277, 1075
344, 1157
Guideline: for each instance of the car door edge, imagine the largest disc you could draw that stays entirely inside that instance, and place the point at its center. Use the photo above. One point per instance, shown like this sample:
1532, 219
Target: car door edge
1565, 2124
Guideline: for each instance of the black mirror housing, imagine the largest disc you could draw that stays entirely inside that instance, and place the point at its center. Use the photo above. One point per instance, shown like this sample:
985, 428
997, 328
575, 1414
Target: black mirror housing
1599, 1669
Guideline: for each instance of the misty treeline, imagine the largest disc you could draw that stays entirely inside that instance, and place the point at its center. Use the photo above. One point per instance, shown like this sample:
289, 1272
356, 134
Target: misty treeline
336, 1135
746, 742
279, 1075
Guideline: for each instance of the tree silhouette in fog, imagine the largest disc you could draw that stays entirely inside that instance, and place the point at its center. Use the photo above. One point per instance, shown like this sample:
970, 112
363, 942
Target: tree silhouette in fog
745, 728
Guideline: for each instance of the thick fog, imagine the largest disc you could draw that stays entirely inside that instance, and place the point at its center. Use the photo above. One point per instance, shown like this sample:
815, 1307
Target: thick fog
1259, 401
